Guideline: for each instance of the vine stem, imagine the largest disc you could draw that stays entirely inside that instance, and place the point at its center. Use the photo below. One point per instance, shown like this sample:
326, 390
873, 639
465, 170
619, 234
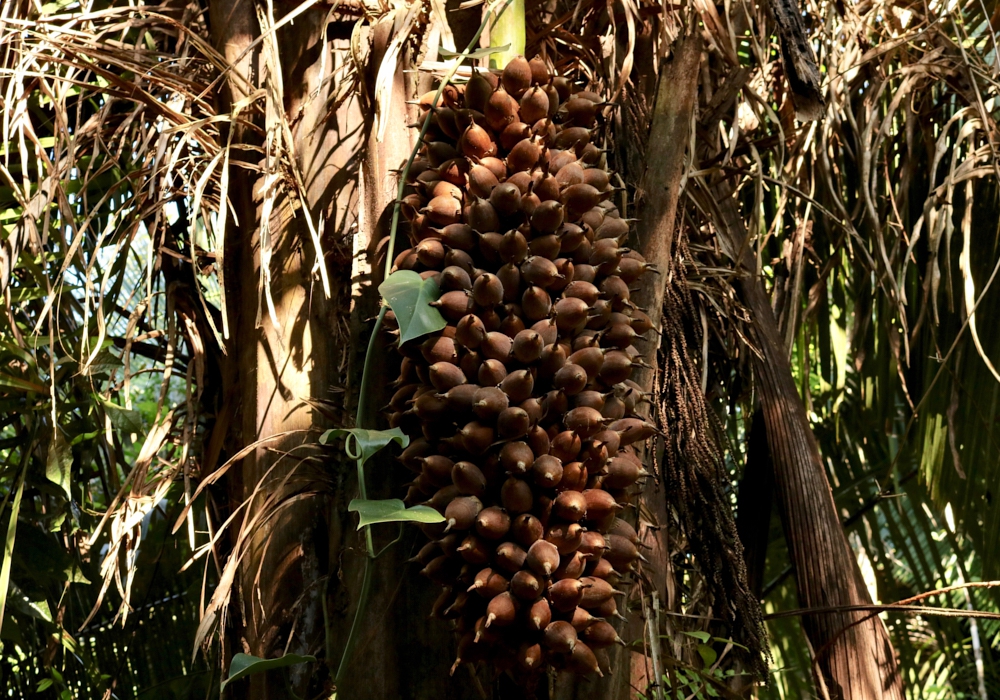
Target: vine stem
361, 413
362, 409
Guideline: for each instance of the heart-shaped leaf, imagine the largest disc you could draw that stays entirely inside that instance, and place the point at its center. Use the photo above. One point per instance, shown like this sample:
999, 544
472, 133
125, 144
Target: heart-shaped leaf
392, 510
59, 464
409, 297
126, 421
708, 654
244, 665
363, 443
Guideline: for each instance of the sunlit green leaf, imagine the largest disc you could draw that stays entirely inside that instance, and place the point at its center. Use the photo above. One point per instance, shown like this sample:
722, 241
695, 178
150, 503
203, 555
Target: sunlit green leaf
392, 510
409, 297
74, 574
59, 465
9, 382
105, 360
363, 443
126, 421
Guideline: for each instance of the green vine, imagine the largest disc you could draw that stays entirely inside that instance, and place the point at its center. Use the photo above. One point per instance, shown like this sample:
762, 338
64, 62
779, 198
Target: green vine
362, 409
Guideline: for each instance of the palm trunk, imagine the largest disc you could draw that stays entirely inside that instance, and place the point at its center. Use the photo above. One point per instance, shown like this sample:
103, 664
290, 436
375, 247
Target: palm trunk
284, 361
854, 662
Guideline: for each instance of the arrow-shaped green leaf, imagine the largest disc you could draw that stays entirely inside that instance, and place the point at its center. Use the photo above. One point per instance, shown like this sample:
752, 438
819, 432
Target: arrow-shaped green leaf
409, 297
244, 665
392, 510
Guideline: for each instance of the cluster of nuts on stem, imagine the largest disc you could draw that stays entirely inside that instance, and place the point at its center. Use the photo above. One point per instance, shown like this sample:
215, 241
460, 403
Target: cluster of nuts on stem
521, 410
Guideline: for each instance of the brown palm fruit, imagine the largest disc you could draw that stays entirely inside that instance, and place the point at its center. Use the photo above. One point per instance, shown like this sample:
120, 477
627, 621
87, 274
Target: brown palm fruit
516, 457
501, 610
621, 552
488, 583
475, 438
516, 496
518, 385
566, 594
540, 615
438, 469
583, 661
570, 505
474, 550
547, 471
603, 569
607, 609
521, 411
510, 557
538, 440
516, 76
443, 602
581, 619
623, 528
633, 430
513, 422
526, 585
584, 421
560, 637
490, 373
572, 566
527, 529
442, 569
621, 472
533, 407
492, 523
597, 591
600, 635
455, 279
426, 553
501, 109
469, 479
566, 446
600, 504
575, 477
530, 657
513, 321
565, 537
543, 558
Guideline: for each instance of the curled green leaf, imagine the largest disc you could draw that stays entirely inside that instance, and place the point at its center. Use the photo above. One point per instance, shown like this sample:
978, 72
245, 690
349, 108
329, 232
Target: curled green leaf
363, 443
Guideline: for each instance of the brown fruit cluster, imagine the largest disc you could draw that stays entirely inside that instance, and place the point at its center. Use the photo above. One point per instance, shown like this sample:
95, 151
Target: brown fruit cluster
521, 411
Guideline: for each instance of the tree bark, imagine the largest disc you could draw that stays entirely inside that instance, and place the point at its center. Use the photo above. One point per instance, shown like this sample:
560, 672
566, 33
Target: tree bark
858, 663
283, 363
